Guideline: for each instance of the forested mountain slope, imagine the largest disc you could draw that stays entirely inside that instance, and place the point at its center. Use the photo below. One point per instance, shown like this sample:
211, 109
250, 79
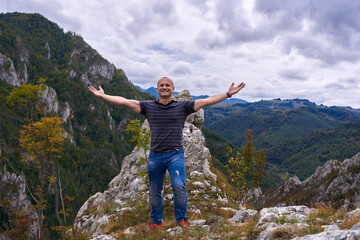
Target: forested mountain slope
272, 125
36, 52
297, 134
302, 155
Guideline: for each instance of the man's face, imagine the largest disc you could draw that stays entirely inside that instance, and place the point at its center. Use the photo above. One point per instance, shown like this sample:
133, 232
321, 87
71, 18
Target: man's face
165, 87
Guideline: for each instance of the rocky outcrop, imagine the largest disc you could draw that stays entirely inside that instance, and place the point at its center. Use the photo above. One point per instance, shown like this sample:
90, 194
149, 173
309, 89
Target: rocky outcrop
7, 71
15, 75
334, 182
86, 63
49, 102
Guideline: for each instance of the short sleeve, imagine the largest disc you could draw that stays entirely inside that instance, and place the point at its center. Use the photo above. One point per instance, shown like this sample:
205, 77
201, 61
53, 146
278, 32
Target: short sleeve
189, 107
143, 108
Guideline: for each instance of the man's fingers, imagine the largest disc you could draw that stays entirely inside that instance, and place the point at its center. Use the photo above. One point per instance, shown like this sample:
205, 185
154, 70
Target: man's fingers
91, 88
241, 85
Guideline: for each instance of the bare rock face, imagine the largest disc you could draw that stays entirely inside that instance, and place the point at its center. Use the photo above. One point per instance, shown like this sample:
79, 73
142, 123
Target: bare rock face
334, 182
128, 188
49, 101
94, 70
7, 71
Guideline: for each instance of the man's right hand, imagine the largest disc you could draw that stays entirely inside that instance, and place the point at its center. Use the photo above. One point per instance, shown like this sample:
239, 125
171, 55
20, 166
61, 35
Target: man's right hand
99, 93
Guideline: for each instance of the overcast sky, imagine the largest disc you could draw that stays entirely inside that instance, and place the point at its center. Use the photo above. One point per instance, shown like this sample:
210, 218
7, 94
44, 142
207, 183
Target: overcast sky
280, 48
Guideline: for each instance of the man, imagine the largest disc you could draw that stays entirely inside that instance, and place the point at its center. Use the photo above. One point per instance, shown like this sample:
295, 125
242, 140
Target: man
166, 118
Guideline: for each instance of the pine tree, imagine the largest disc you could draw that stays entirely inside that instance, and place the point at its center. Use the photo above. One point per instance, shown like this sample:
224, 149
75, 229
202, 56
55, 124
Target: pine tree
246, 167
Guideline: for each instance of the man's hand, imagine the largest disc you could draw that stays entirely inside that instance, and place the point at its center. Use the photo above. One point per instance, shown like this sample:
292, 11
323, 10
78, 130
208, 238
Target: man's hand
235, 89
99, 93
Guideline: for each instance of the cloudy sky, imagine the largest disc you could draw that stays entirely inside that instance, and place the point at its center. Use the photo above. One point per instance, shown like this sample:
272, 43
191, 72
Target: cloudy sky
280, 49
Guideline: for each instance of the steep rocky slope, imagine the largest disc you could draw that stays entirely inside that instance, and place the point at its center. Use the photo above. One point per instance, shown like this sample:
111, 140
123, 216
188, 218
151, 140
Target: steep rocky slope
335, 182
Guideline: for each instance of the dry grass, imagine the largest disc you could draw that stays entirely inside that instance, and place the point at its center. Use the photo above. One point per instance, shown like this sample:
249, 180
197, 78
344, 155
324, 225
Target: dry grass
350, 222
324, 214
312, 229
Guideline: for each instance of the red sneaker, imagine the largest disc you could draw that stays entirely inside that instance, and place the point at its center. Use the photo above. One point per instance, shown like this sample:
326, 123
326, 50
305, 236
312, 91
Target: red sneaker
184, 223
154, 226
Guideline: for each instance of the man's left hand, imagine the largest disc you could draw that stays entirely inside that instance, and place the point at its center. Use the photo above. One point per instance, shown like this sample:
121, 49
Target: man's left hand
235, 89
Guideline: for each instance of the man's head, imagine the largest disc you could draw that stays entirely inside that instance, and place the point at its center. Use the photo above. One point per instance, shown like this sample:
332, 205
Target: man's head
165, 87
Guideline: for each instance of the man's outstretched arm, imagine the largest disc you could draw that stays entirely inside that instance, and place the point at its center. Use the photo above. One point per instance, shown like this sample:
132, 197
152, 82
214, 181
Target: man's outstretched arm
201, 103
117, 100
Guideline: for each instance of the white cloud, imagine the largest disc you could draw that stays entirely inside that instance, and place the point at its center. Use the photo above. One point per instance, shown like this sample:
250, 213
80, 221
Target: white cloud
181, 68
287, 49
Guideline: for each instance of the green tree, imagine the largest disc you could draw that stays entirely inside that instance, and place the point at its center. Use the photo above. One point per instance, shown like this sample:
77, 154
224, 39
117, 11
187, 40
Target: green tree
141, 139
246, 167
42, 142
25, 98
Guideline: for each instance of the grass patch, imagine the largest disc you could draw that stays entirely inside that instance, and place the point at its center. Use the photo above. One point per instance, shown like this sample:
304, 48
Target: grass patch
349, 222
129, 218
312, 229
324, 214
283, 234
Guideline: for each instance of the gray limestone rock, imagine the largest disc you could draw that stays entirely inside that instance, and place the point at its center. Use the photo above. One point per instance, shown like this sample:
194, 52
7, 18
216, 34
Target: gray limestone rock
283, 214
49, 101
8, 72
242, 216
336, 234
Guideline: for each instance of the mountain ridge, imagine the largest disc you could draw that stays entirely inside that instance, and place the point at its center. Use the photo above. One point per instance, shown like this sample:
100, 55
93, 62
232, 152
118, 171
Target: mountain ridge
34, 49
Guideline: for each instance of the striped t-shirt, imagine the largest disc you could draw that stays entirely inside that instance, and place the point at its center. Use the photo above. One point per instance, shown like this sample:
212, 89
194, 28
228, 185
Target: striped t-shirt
166, 123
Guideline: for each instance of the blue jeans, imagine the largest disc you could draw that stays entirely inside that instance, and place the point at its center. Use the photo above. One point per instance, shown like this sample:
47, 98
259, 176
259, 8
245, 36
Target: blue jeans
174, 162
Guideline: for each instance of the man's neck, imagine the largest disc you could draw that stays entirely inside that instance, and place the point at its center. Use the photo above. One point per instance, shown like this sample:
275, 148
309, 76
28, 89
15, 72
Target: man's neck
166, 100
